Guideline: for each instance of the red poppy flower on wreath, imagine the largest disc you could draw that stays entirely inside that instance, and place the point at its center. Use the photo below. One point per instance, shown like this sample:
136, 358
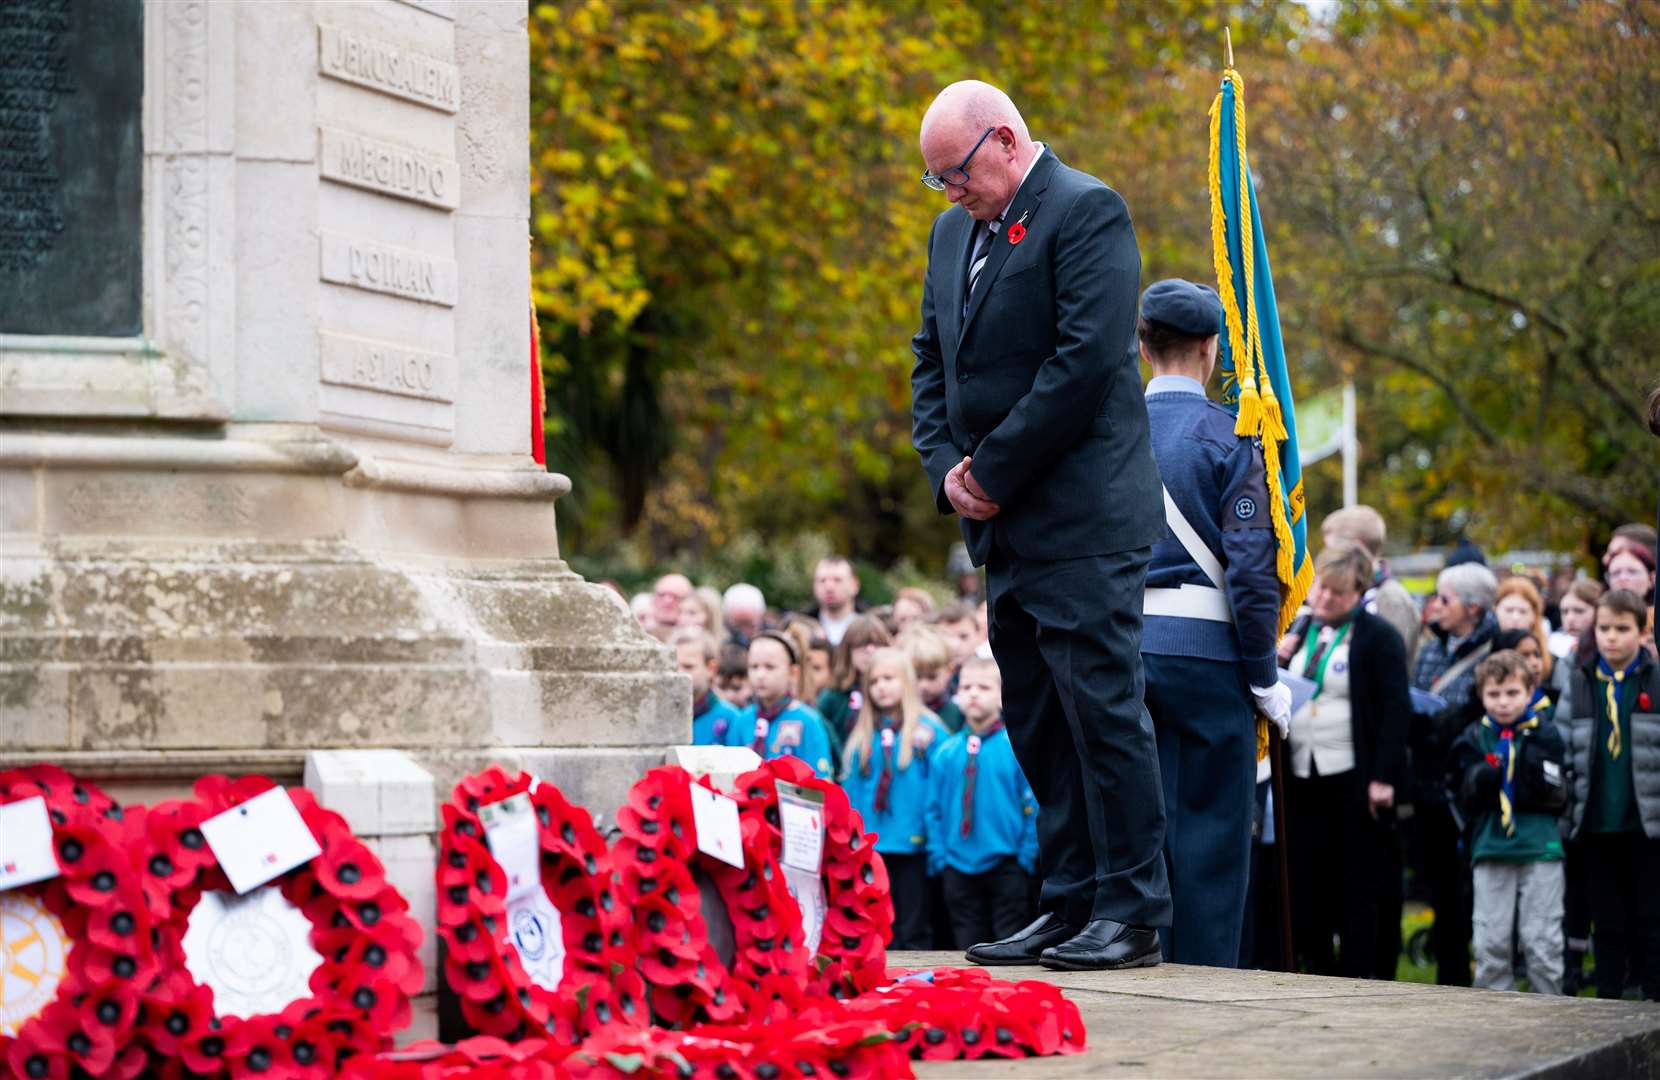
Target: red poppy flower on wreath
658, 862
291, 979
858, 924
554, 959
78, 946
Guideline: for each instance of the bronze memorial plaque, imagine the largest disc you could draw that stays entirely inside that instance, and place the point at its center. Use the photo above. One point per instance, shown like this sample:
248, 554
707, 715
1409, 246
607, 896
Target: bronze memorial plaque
71, 151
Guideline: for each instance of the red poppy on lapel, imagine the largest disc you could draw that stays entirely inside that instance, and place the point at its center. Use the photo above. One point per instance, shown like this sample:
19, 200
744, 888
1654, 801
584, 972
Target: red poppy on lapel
1017, 233
1642, 701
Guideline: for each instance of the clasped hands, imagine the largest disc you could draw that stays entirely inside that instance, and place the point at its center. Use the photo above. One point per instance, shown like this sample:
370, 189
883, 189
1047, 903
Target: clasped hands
966, 494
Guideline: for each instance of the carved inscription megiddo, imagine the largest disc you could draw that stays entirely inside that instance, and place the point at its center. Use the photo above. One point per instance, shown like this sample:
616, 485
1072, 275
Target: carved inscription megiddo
368, 264
352, 158
71, 84
389, 368
388, 67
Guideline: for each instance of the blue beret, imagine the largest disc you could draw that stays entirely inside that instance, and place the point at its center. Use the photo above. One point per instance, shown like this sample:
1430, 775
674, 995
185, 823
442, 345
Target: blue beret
1183, 305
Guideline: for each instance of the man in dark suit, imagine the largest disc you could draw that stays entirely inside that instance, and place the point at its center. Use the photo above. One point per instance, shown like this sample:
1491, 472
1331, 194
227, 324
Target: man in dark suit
1028, 413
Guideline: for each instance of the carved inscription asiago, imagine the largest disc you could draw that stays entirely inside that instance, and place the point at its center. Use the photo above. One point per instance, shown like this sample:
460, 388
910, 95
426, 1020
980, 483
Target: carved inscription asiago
34, 75
389, 368
350, 158
388, 67
367, 264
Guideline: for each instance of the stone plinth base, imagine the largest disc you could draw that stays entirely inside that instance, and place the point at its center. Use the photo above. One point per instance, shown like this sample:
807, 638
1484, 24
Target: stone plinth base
174, 605
1176, 1021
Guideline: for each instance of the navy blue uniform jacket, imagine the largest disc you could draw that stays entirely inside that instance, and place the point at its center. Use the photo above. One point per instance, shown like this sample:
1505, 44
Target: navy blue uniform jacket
1039, 383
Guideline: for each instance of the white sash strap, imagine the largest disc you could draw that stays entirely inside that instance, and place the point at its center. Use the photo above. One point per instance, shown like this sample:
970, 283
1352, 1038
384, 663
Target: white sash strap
1190, 601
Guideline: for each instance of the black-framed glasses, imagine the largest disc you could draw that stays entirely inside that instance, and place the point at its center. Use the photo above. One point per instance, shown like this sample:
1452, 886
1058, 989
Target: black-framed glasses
958, 176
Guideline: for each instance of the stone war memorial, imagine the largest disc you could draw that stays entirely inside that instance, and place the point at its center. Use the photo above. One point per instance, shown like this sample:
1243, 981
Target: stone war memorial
270, 521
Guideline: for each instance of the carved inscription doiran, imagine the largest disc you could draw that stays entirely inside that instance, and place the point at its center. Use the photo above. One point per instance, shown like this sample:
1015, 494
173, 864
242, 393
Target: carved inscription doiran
389, 368
350, 158
368, 264
388, 67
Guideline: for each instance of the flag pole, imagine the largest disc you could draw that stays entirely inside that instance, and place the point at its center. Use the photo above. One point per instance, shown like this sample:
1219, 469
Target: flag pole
1227, 45
1276, 774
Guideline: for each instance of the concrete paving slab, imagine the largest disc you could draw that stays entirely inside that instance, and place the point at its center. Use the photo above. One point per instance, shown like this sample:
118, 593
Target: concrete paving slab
1178, 1021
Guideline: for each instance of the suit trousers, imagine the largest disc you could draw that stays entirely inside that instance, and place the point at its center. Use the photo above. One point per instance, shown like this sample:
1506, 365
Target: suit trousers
1205, 720
1067, 636
1623, 880
908, 885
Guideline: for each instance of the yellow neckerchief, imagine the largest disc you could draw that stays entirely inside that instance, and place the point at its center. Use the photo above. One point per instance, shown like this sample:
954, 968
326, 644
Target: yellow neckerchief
1612, 682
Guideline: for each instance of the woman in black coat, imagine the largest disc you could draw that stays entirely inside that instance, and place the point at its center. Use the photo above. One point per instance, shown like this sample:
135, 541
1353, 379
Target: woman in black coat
1345, 762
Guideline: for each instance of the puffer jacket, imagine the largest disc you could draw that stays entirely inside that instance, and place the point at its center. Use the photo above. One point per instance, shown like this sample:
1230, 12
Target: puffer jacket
1576, 716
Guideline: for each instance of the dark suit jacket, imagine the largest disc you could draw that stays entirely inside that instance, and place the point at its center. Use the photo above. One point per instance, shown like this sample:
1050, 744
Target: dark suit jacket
1040, 382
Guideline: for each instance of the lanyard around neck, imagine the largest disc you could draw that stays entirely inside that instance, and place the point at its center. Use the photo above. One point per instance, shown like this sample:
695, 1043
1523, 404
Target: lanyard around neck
1319, 675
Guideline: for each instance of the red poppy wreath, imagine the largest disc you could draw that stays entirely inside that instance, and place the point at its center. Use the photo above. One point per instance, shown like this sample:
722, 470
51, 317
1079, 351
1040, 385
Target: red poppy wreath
550, 958
658, 860
858, 908
290, 979
76, 947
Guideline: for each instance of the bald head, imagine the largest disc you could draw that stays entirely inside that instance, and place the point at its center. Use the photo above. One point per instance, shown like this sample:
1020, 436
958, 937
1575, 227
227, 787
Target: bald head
951, 129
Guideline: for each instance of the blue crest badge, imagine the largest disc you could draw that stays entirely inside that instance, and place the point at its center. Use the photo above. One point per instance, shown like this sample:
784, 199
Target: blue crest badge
1245, 508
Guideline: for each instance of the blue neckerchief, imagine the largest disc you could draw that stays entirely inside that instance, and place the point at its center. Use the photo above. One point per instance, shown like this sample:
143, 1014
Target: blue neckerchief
1507, 752
1540, 703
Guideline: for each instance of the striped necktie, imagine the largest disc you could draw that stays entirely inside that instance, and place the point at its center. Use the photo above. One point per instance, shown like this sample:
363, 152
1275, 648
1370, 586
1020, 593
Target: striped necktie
983, 232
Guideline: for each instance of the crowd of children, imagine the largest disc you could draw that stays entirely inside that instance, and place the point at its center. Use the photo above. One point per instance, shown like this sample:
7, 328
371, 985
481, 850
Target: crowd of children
1554, 783
905, 712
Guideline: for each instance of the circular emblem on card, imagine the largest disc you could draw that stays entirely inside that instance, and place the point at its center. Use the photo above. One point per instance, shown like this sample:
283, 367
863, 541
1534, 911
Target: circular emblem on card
1245, 508
1338, 667
33, 958
254, 951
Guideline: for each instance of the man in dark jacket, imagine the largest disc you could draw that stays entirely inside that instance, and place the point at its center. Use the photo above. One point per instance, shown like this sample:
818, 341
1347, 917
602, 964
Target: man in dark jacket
1027, 412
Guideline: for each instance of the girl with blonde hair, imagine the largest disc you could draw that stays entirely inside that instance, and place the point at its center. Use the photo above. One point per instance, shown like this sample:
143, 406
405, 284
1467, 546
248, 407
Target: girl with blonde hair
885, 776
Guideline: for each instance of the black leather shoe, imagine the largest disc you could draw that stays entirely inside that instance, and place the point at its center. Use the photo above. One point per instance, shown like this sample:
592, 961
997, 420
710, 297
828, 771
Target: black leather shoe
1025, 946
1104, 945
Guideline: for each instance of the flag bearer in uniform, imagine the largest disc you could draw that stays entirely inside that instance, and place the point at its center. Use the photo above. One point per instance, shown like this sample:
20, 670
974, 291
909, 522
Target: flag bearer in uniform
1211, 620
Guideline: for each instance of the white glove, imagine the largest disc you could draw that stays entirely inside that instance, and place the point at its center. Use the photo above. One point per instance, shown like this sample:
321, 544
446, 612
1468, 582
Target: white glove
1274, 702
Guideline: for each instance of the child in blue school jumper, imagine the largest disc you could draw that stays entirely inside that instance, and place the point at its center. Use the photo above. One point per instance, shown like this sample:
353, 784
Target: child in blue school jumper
696, 656
885, 775
982, 817
775, 724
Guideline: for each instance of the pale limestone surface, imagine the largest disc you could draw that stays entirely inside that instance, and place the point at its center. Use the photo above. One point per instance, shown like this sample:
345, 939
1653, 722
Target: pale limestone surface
299, 512
1179, 1021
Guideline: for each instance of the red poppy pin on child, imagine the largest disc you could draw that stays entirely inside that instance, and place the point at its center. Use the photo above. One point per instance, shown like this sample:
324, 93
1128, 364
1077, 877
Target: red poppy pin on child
1017, 231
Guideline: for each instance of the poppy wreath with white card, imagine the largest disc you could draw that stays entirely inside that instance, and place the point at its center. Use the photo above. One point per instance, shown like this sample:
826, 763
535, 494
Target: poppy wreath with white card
547, 956
659, 858
291, 978
76, 946
858, 918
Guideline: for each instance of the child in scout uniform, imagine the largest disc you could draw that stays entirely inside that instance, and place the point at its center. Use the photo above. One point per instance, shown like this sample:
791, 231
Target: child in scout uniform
982, 817
732, 676
886, 780
776, 724
931, 655
695, 654
839, 704
1506, 773
1611, 718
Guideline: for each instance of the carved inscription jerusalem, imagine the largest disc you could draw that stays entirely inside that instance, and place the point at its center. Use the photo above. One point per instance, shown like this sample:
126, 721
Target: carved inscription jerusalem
368, 264
389, 368
351, 158
388, 67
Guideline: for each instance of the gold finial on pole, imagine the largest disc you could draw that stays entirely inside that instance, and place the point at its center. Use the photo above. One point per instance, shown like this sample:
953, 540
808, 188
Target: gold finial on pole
1227, 45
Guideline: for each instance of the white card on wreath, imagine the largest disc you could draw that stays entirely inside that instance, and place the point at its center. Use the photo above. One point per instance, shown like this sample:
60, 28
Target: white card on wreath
715, 817
801, 819
26, 844
511, 833
807, 889
263, 838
